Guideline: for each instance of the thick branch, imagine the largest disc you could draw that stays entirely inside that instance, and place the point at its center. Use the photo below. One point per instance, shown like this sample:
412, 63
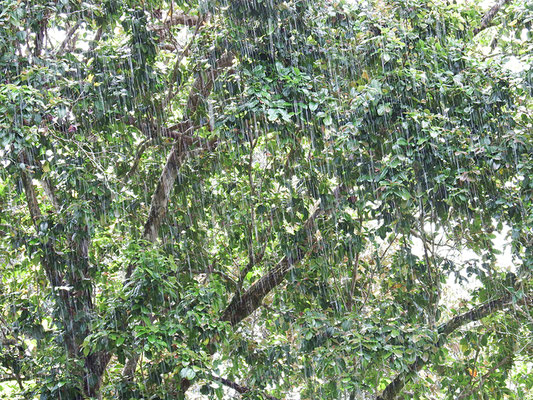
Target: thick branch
68, 38
476, 314
178, 153
31, 196
140, 151
39, 37
238, 388
158, 207
489, 16
203, 84
242, 306
71, 303
161, 195
177, 19
159, 204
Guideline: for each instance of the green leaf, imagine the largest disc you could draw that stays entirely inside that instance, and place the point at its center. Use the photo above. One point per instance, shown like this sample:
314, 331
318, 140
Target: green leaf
187, 373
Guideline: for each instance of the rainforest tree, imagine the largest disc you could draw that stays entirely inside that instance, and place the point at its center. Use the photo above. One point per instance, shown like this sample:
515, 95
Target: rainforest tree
265, 197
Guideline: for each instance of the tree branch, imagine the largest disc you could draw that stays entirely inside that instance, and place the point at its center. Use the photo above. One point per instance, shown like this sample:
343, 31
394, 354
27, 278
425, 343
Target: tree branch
68, 37
394, 388
175, 71
475, 314
161, 195
177, 19
238, 388
158, 206
489, 16
241, 306
178, 153
140, 151
202, 85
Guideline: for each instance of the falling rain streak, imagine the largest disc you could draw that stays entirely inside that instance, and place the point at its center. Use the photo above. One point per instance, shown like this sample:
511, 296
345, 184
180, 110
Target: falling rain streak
266, 199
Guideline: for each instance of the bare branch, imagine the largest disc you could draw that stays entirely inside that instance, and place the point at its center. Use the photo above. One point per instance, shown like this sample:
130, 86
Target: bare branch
203, 84
242, 306
475, 314
140, 151
175, 71
38, 42
158, 207
179, 151
177, 19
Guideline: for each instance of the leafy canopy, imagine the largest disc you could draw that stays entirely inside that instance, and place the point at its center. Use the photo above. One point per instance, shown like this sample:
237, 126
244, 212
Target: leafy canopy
265, 197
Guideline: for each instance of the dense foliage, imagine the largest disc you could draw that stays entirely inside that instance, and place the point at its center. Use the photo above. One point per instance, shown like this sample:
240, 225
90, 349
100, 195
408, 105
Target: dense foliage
265, 197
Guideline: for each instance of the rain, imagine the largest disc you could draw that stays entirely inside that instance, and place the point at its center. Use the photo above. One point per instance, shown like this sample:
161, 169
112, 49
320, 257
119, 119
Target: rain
266, 199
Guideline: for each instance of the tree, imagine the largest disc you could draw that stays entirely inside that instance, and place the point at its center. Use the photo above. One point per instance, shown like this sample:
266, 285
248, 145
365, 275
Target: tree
263, 196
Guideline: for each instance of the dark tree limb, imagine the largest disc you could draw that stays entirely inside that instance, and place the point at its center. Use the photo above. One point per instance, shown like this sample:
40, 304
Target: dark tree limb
489, 16
475, 314
238, 388
394, 388
38, 42
31, 196
177, 19
202, 85
241, 306
160, 198
70, 303
176, 157
158, 206
140, 151
244, 305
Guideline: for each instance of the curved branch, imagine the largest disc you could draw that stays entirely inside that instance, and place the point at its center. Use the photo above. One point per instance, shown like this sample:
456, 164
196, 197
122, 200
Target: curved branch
68, 38
242, 306
184, 53
475, 314
158, 206
140, 151
177, 19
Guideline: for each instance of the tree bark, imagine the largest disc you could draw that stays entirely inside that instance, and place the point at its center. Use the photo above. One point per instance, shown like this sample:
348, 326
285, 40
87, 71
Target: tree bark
178, 153
489, 16
394, 388
70, 302
239, 388
241, 306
